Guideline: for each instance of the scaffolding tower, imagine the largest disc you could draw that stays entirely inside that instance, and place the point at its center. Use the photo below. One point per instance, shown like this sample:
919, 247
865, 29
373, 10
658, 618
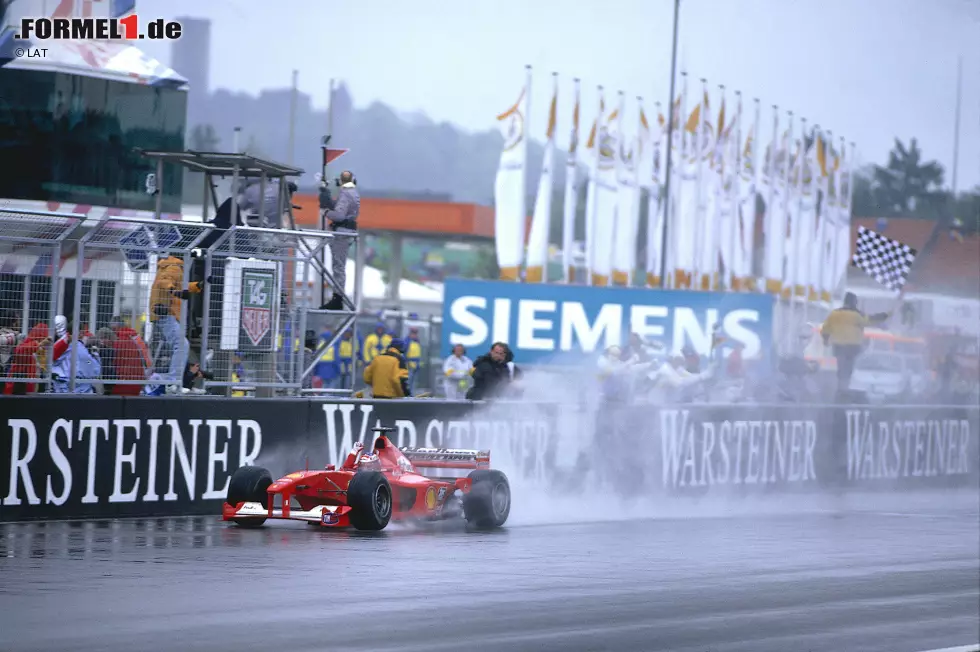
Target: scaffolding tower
243, 239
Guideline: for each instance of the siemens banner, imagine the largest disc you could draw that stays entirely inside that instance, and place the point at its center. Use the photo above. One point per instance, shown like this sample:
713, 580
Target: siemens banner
544, 323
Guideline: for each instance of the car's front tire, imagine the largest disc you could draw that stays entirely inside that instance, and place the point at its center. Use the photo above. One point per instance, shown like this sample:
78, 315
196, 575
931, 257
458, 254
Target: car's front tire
487, 503
370, 499
249, 484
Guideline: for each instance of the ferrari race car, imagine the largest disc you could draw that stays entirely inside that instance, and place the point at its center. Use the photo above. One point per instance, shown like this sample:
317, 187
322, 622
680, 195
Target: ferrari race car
372, 488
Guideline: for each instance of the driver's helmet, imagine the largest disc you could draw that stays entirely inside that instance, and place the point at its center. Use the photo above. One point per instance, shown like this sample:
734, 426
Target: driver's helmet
369, 460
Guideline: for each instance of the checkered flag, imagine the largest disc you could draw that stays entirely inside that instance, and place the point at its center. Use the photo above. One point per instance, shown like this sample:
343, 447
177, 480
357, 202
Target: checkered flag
888, 261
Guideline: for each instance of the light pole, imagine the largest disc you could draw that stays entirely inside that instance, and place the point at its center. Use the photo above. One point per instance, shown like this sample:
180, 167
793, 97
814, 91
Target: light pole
670, 141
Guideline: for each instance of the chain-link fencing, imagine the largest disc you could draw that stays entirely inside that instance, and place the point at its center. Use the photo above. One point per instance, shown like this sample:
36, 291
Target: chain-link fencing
33, 276
255, 336
128, 321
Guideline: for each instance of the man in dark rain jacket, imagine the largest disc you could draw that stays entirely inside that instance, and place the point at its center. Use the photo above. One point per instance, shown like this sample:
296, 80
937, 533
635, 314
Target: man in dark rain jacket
493, 373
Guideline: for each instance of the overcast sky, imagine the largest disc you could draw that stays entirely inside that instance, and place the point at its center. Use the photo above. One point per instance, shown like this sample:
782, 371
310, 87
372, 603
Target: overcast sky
869, 70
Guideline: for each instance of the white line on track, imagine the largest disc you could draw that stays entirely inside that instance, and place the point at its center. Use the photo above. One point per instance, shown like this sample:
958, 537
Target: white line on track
963, 648
921, 515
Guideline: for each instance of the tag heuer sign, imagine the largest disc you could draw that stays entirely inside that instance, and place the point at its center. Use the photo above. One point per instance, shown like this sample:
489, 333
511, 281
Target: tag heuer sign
258, 303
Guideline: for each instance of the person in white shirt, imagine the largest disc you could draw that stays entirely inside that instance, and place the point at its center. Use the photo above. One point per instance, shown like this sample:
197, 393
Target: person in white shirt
457, 373
673, 377
618, 373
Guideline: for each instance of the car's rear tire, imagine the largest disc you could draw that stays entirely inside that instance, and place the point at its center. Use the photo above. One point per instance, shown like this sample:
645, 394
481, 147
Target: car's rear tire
249, 484
370, 500
487, 504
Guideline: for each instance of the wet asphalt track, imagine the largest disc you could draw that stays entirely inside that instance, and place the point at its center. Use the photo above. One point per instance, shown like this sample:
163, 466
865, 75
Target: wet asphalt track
863, 581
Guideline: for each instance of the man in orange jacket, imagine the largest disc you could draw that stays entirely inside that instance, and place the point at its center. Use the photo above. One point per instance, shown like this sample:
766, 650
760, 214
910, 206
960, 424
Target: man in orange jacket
165, 297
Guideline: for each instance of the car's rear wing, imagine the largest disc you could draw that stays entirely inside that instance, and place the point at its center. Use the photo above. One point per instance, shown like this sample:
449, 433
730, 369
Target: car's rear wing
447, 458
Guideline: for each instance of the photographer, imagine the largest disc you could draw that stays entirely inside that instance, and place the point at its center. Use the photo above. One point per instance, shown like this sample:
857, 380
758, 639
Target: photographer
342, 215
494, 374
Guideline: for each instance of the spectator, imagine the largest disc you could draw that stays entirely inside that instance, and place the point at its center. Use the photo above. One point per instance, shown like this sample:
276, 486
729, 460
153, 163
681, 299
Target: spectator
131, 359
908, 315
194, 373
103, 348
238, 373
387, 374
9, 338
165, 297
346, 352
638, 349
457, 371
692, 361
718, 344
250, 200
493, 373
413, 355
946, 372
29, 361
844, 330
614, 374
88, 366
309, 358
376, 343
342, 216
736, 363
327, 367
675, 380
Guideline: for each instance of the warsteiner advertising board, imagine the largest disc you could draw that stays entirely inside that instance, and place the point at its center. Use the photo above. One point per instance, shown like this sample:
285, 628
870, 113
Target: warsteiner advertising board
259, 306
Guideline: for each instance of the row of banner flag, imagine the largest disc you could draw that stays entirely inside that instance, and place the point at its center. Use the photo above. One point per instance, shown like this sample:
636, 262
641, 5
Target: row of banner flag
802, 176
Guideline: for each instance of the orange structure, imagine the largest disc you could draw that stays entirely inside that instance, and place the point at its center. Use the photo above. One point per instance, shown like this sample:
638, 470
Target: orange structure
402, 218
875, 340
409, 217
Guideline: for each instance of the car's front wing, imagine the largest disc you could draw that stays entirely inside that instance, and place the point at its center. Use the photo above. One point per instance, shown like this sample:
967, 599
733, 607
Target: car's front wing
325, 515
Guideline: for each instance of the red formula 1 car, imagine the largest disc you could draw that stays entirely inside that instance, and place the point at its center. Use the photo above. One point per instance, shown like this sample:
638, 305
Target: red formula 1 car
373, 488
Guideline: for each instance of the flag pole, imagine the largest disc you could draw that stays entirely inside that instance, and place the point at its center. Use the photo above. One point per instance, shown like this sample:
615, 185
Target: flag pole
843, 222
670, 139
325, 254
570, 205
956, 124
291, 142
735, 203
522, 230
699, 215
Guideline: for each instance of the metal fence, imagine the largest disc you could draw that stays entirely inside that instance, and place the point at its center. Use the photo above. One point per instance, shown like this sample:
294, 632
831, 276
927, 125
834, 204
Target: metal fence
125, 306
131, 309
256, 303
32, 248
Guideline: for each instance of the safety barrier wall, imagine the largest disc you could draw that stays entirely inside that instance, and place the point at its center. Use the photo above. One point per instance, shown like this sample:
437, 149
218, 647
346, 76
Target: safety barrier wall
74, 457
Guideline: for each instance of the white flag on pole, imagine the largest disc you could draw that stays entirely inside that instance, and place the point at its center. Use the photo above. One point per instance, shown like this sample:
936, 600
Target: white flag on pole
537, 248
509, 195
